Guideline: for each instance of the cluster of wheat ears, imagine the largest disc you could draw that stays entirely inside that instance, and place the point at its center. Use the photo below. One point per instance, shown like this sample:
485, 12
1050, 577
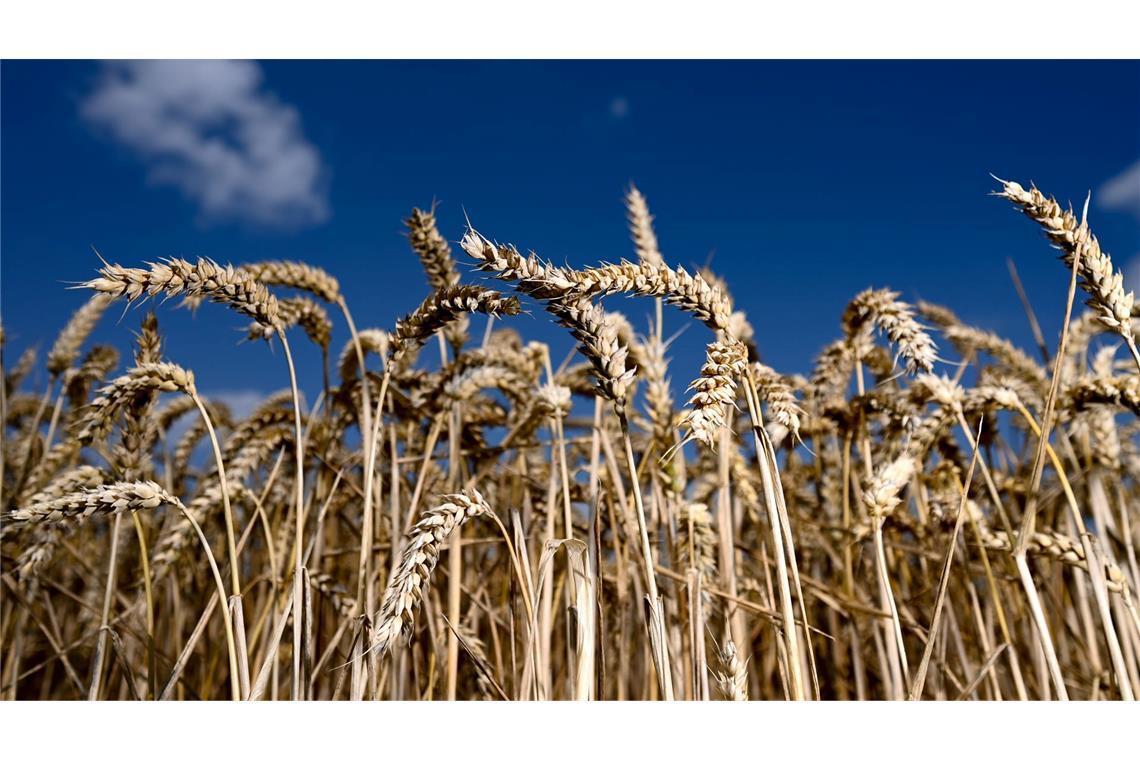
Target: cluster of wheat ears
878, 530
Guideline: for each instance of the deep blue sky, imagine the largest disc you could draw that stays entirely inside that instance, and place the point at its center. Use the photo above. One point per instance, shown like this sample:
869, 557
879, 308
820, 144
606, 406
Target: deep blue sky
804, 181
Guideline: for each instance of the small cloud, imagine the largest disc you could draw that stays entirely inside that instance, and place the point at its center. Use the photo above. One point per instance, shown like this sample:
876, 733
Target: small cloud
241, 402
619, 108
210, 129
1122, 192
1132, 274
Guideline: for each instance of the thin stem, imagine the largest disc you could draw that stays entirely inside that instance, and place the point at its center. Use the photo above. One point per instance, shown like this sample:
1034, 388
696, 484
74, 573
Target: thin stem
368, 442
298, 544
108, 596
231, 540
454, 559
227, 621
149, 596
1038, 614
661, 652
894, 642
1135, 354
54, 422
791, 638
1095, 572
919, 682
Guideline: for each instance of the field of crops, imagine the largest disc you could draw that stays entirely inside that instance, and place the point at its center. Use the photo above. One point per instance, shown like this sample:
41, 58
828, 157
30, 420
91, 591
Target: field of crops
932, 513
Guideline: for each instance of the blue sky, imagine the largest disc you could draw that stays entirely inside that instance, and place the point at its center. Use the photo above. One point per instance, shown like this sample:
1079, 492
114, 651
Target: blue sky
802, 182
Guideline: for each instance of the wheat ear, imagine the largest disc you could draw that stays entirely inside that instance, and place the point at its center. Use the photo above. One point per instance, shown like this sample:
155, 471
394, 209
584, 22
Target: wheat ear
299, 311
1118, 390
296, 275
145, 378
883, 309
779, 396
100, 500
204, 279
1098, 278
641, 227
40, 549
421, 554
66, 348
442, 308
714, 390
881, 497
732, 678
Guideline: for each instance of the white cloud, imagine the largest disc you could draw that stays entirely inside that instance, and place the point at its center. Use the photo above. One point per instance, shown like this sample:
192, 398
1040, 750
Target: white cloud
1122, 192
241, 402
1132, 274
619, 108
210, 129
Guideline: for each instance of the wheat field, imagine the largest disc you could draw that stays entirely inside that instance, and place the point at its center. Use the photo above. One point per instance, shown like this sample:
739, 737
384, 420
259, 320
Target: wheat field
933, 513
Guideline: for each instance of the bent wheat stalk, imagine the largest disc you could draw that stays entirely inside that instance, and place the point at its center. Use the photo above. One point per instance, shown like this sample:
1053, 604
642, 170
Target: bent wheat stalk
114, 500
421, 554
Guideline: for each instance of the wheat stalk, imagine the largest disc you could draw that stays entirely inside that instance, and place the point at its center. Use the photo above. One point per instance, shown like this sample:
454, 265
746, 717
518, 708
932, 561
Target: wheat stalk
161, 377
66, 348
421, 554
296, 275
39, 551
881, 495
294, 311
1119, 390
444, 307
598, 341
201, 280
696, 540
101, 500
371, 342
641, 227
1098, 278
714, 390
883, 309
779, 396
732, 678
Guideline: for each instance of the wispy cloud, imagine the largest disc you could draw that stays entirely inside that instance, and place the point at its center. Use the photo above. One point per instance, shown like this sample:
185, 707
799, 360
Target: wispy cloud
241, 402
619, 107
1122, 192
212, 130
1132, 274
